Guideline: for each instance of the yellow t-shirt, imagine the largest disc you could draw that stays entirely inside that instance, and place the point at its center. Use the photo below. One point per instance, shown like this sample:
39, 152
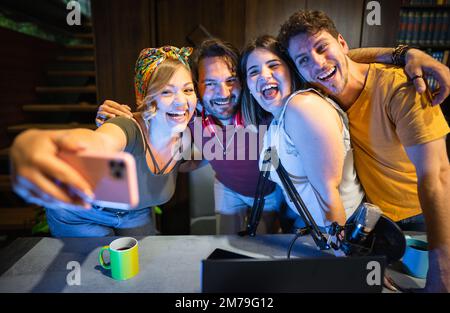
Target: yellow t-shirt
387, 116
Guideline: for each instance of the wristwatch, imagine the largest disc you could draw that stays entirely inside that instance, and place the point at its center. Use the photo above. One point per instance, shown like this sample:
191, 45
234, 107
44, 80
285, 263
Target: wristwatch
399, 55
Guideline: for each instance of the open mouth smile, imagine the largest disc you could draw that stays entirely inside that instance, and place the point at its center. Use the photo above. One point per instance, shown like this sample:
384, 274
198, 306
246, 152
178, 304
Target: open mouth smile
324, 76
178, 116
269, 91
223, 102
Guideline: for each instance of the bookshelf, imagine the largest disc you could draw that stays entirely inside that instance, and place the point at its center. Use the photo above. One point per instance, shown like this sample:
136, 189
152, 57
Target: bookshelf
425, 24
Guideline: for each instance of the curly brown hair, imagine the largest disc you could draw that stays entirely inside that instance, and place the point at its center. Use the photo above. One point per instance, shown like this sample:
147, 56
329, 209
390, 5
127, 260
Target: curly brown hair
215, 47
305, 21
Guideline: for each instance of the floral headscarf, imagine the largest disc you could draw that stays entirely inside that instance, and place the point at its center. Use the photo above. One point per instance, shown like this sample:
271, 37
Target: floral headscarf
148, 61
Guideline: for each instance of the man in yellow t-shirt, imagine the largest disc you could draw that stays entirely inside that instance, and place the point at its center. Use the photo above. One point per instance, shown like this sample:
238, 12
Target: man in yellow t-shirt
387, 117
398, 138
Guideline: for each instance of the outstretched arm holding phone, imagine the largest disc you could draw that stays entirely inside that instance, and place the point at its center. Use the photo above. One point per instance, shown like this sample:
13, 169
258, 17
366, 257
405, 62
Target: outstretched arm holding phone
166, 102
41, 176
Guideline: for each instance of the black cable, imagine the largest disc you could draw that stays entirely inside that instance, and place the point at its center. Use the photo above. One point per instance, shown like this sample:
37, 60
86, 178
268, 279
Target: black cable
298, 232
292, 244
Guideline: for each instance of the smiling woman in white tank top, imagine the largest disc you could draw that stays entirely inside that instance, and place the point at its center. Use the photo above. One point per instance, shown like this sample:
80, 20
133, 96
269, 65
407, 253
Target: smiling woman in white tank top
350, 190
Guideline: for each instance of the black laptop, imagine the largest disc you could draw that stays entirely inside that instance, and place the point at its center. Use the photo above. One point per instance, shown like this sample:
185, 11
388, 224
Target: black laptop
226, 271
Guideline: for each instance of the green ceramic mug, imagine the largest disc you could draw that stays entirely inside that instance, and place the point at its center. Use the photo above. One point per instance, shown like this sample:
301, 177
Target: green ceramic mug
124, 258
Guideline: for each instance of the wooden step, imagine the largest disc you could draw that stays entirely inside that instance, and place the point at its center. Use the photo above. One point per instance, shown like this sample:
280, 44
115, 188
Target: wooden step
22, 127
70, 58
4, 154
5, 180
5, 183
72, 73
5, 169
18, 218
84, 35
67, 89
80, 47
78, 107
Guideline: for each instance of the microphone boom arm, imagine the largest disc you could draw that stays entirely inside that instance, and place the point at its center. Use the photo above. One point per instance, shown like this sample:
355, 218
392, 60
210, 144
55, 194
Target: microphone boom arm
294, 196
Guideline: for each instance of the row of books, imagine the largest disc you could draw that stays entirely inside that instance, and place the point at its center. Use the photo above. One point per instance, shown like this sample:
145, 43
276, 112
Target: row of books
424, 2
443, 57
424, 27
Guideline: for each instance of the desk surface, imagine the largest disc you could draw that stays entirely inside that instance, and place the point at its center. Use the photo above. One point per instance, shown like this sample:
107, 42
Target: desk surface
167, 263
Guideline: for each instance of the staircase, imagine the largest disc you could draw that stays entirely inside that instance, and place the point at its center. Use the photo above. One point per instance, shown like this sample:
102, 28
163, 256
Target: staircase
68, 100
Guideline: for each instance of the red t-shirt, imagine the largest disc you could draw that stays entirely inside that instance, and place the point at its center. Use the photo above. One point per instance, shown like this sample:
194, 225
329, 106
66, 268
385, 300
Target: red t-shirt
233, 154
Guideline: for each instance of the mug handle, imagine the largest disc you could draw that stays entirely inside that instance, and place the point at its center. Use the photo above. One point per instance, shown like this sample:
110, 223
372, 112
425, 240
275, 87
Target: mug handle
100, 258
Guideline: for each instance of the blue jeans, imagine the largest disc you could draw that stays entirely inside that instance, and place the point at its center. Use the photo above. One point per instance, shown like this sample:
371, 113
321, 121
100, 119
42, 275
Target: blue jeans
99, 222
232, 209
230, 202
414, 223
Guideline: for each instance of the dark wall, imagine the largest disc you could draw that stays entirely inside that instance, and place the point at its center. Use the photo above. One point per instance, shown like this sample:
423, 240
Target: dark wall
384, 35
347, 16
176, 20
123, 28
121, 31
23, 63
266, 16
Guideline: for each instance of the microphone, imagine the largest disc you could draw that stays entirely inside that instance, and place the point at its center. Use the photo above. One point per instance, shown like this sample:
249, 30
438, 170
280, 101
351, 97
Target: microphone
365, 219
369, 232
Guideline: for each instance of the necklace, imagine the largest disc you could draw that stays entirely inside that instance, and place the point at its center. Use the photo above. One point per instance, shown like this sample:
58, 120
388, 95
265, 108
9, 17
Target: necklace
158, 171
162, 171
225, 149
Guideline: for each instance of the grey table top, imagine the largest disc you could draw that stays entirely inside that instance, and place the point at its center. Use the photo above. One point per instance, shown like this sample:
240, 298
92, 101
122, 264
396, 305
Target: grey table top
167, 263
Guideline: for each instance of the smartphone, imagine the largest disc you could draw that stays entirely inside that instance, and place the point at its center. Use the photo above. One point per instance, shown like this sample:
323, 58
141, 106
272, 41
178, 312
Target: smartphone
111, 175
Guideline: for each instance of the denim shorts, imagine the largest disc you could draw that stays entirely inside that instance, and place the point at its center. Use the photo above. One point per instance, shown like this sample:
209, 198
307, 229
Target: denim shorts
98, 222
230, 202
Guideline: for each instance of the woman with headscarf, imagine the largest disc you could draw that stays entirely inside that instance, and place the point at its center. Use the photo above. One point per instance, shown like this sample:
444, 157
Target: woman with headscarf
166, 101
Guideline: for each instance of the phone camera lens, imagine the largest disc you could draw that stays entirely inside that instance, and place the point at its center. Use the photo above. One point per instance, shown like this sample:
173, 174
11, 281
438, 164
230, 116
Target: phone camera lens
116, 168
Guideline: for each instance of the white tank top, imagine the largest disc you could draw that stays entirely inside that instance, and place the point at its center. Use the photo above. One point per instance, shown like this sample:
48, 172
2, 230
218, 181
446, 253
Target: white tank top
350, 190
